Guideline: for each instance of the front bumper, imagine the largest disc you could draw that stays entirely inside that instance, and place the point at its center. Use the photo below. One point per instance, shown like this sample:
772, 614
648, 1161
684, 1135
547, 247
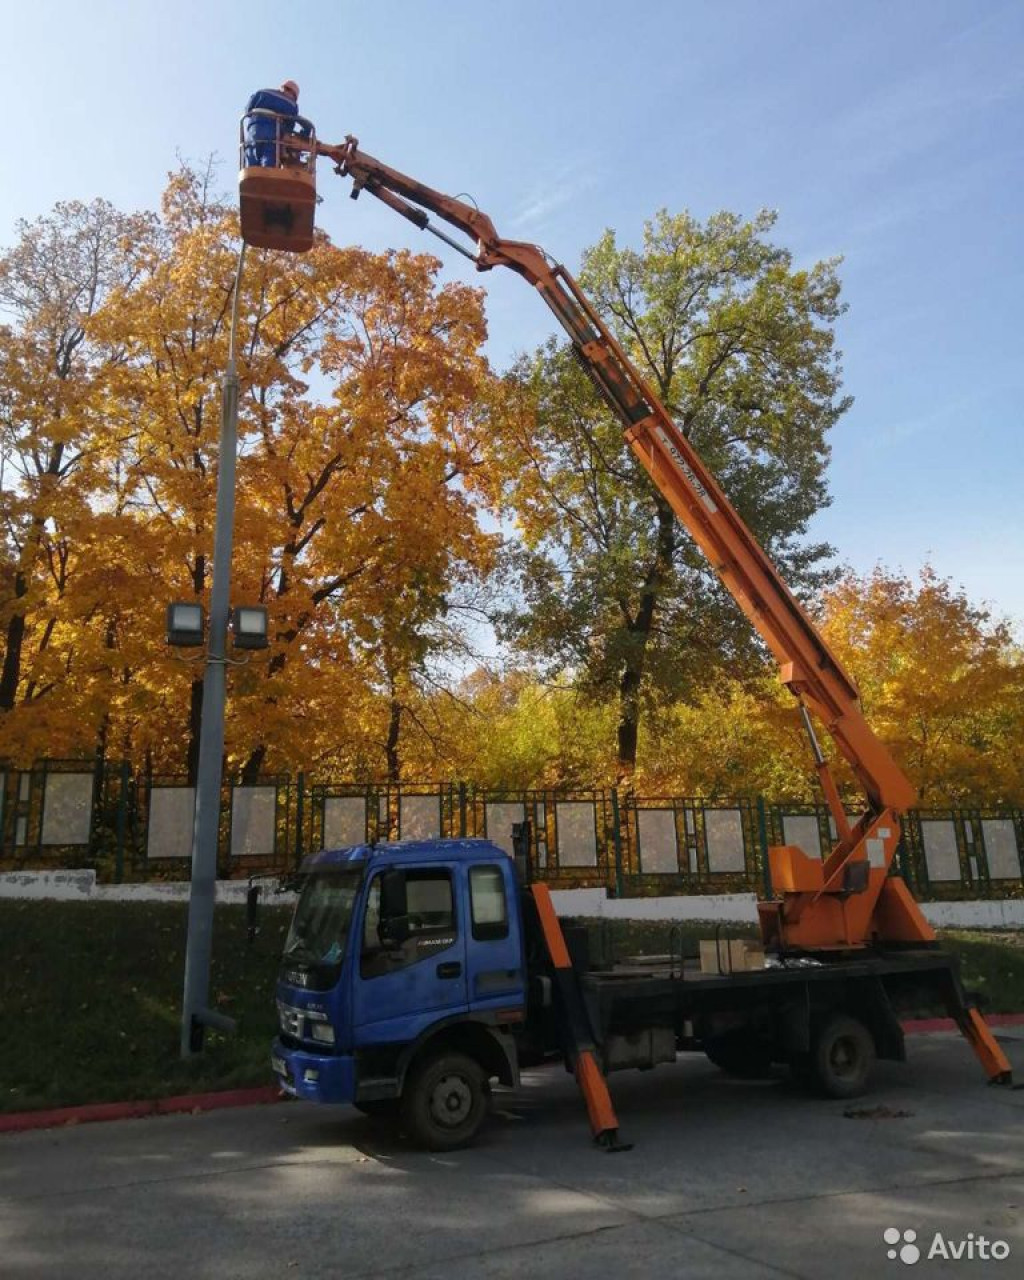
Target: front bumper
313, 1076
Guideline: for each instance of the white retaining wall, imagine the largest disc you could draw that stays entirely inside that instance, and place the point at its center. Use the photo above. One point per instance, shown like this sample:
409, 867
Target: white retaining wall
740, 908
81, 886
1005, 913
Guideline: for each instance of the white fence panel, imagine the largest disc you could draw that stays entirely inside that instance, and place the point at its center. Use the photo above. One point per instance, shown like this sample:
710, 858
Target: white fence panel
723, 832
171, 812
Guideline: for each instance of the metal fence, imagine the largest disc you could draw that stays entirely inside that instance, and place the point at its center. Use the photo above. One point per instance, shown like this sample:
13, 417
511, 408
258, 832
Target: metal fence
72, 813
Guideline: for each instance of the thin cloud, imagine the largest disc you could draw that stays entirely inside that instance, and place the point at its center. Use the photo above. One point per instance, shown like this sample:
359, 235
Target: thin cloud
546, 198
959, 409
918, 113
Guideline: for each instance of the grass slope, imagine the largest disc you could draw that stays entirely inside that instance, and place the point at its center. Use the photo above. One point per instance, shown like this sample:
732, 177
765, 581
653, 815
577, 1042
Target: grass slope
90, 1002
90, 995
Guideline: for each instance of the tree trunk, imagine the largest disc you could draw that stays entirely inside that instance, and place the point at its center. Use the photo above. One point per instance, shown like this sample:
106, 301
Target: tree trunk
629, 723
102, 736
639, 629
391, 750
11, 673
253, 767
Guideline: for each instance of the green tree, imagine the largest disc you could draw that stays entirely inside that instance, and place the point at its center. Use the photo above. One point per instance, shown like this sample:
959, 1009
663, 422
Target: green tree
739, 345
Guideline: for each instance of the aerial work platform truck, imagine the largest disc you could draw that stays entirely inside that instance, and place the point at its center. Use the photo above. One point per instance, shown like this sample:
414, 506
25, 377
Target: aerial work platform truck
416, 973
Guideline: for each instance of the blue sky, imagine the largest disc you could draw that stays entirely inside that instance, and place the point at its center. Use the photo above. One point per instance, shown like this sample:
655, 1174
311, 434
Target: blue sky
890, 133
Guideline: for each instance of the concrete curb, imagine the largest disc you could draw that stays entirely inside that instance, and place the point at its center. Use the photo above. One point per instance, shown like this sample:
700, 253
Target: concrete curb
90, 1113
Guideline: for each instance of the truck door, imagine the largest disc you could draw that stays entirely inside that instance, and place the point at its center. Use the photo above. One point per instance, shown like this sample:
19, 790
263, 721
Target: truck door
401, 987
495, 953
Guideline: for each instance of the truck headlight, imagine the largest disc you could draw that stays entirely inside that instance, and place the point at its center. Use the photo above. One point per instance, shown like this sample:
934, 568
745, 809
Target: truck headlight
322, 1031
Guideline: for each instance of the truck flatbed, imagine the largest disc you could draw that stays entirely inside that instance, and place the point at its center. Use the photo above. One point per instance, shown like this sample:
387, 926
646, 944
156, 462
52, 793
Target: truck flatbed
762, 1015
644, 969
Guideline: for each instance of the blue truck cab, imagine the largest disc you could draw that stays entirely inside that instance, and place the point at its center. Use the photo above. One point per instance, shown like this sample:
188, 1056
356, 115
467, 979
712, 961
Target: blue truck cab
403, 983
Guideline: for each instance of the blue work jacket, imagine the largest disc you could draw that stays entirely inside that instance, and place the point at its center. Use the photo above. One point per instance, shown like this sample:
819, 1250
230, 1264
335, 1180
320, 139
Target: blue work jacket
262, 129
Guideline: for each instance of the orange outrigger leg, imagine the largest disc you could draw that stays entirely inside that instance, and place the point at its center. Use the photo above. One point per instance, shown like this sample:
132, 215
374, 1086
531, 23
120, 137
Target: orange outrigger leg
975, 1031
579, 1043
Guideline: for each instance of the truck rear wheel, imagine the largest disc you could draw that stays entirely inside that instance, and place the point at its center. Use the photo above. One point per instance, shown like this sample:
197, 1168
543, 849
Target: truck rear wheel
444, 1102
841, 1058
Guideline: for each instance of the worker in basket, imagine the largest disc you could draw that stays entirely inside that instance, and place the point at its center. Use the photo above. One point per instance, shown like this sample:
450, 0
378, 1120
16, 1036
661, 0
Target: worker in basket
265, 134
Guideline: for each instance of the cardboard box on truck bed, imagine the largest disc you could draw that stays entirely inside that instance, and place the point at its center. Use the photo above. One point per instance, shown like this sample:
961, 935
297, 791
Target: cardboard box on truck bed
730, 955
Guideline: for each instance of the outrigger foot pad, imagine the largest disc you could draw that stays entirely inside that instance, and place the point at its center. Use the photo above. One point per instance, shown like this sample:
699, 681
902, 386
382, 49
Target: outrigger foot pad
608, 1140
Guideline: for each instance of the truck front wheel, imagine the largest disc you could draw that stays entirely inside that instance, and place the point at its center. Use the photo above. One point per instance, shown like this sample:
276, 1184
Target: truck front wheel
444, 1102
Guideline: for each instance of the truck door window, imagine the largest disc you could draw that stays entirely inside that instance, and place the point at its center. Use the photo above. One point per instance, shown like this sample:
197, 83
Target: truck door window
430, 922
487, 903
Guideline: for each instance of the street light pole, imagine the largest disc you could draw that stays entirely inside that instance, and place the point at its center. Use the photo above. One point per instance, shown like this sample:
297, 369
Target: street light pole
195, 1014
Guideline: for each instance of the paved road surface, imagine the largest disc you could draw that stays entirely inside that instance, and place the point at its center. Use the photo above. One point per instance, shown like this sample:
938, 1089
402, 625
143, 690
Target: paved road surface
727, 1180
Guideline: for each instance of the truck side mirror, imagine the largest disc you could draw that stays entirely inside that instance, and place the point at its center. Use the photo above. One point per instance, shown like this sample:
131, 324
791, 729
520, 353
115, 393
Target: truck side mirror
394, 907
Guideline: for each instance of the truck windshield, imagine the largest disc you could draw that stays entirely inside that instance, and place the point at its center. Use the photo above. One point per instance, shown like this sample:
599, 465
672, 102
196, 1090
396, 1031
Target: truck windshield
322, 918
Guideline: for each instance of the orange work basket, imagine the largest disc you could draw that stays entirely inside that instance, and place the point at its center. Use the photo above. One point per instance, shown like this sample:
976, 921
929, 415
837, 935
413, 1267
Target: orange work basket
277, 184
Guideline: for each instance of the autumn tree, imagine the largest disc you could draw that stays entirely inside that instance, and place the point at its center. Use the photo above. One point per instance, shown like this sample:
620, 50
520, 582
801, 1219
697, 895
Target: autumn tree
941, 681
740, 347
56, 456
361, 379
349, 495
378, 526
510, 731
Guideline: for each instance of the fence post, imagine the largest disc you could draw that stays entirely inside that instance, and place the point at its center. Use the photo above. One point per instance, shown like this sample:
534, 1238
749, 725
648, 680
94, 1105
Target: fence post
617, 842
462, 810
903, 855
903, 859
762, 836
980, 869
300, 796
122, 821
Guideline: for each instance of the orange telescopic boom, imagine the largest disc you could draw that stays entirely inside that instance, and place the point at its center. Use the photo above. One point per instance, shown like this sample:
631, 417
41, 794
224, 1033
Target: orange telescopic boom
850, 899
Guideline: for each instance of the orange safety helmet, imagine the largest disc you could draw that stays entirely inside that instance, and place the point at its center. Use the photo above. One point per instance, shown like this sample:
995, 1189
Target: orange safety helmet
290, 87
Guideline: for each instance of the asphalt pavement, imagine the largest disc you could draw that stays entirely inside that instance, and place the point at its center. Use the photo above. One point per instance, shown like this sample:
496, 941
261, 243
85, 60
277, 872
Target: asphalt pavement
727, 1179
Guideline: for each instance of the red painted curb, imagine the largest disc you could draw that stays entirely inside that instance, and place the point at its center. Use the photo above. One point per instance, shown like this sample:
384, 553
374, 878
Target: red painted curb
21, 1121
918, 1026
218, 1101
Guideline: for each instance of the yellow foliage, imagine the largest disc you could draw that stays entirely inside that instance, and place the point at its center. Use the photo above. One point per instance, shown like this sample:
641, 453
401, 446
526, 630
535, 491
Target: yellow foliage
940, 681
360, 385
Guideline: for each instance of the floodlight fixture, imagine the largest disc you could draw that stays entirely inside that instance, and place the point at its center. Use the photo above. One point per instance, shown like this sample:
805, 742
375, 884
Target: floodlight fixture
249, 626
186, 623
